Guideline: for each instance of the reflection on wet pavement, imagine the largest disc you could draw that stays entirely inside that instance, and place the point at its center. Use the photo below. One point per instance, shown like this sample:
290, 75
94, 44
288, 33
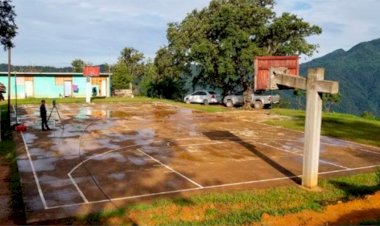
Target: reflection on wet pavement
138, 150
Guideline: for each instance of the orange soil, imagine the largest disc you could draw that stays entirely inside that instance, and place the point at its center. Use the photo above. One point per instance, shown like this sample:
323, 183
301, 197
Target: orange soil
350, 213
5, 212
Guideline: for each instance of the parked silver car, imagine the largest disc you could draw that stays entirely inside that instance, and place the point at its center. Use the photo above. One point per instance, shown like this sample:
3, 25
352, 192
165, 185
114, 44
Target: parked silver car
202, 97
258, 100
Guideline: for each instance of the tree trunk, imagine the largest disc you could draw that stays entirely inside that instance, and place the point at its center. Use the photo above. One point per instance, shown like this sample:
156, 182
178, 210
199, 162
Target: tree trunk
247, 97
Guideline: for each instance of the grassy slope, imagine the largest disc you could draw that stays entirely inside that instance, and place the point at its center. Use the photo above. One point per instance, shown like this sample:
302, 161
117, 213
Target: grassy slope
343, 126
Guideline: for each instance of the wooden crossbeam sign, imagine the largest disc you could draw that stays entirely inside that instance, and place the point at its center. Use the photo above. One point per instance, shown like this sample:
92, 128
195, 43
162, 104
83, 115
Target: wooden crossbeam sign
314, 85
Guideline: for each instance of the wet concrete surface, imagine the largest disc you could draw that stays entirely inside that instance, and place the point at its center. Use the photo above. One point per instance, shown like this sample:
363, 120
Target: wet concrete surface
99, 155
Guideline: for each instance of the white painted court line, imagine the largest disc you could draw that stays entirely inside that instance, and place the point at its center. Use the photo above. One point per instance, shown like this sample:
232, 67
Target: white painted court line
209, 187
301, 155
78, 189
368, 151
34, 173
33, 169
352, 169
251, 182
351, 142
101, 154
86, 160
333, 164
127, 197
169, 168
264, 144
203, 144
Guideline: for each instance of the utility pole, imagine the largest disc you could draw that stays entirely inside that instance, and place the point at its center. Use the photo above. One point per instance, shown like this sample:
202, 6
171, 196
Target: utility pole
9, 88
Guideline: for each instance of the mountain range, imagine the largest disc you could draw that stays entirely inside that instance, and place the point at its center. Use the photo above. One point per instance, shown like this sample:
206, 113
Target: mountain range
358, 73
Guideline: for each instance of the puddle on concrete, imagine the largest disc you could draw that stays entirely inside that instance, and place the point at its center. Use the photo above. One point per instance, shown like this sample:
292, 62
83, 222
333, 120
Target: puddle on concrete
40, 153
62, 196
87, 113
117, 176
100, 125
30, 138
113, 155
139, 161
40, 165
66, 147
335, 142
83, 113
68, 130
107, 144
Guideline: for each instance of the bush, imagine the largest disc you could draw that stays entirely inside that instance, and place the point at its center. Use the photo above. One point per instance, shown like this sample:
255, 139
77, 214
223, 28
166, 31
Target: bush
368, 115
282, 104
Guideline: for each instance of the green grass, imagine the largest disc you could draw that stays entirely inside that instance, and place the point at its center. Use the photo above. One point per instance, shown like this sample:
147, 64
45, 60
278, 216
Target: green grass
110, 100
342, 126
5, 129
371, 222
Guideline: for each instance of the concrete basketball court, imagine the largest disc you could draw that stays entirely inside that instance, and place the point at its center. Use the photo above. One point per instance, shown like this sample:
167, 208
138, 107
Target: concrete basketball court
101, 156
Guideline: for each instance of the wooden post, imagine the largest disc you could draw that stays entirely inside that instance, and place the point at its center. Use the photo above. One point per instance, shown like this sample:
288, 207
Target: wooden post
312, 128
314, 86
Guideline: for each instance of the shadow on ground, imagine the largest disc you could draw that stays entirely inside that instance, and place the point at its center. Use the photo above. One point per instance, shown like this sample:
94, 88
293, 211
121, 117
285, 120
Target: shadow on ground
220, 135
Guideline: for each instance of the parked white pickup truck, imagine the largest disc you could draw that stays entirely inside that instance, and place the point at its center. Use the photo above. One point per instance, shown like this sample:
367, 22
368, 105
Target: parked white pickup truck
258, 100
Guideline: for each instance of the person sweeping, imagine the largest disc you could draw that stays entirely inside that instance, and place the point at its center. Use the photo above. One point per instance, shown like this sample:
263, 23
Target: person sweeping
43, 116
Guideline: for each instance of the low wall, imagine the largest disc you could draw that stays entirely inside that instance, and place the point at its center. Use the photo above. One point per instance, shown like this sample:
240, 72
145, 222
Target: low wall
123, 93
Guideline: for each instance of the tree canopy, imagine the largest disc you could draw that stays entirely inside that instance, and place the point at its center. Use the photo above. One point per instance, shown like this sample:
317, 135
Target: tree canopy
77, 65
222, 40
129, 68
8, 26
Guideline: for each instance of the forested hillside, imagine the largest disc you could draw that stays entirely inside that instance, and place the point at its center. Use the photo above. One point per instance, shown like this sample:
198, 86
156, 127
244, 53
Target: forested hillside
358, 73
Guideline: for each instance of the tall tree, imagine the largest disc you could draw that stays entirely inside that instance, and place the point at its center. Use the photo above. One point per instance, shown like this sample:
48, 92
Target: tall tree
222, 39
8, 26
168, 80
129, 68
8, 30
77, 65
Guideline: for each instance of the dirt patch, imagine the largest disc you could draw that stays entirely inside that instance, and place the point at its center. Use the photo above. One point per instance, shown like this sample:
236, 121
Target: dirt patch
5, 211
349, 213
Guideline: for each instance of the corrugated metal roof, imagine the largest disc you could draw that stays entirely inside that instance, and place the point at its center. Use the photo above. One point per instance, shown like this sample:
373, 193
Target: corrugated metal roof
49, 73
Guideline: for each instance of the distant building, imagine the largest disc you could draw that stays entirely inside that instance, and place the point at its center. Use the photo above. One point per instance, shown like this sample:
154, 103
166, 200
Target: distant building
55, 84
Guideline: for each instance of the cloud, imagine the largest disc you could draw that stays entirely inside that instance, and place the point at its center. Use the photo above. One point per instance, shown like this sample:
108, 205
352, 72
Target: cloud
344, 22
54, 32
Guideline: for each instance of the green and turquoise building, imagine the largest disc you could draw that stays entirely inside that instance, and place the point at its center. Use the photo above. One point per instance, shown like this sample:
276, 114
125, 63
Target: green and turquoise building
54, 84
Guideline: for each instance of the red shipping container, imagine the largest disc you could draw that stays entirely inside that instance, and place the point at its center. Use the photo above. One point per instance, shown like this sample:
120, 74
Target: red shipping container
264, 63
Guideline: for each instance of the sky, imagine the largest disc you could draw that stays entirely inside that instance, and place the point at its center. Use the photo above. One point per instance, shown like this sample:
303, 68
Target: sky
55, 32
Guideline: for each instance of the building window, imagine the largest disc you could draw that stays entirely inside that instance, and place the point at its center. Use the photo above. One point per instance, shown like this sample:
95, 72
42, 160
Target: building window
59, 80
